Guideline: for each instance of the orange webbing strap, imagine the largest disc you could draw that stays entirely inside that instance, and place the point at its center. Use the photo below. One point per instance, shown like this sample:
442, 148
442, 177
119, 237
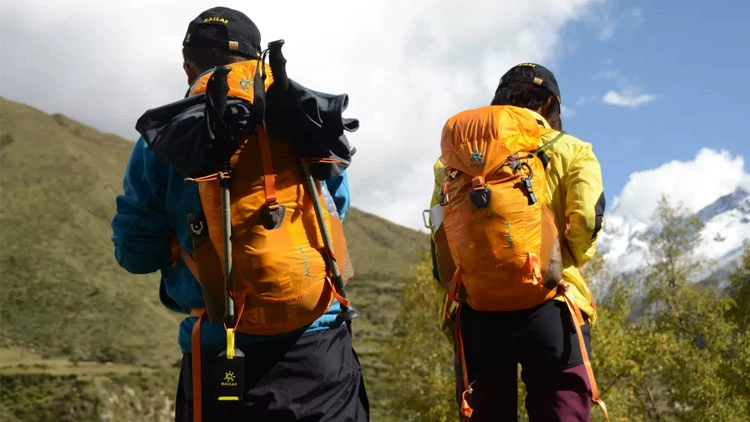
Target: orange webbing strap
325, 160
237, 317
454, 292
195, 349
209, 178
534, 266
466, 409
450, 174
342, 300
332, 254
575, 313
269, 178
446, 308
190, 263
478, 183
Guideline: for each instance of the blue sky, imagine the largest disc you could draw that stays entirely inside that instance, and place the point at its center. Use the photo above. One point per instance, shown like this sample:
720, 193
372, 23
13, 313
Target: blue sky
409, 66
694, 59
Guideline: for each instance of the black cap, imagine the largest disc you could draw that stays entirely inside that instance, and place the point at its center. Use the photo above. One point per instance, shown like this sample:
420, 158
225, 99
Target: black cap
541, 76
224, 28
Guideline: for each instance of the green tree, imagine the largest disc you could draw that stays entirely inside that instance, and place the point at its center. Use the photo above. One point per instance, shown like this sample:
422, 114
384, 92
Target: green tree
664, 348
688, 320
621, 349
737, 366
739, 291
419, 356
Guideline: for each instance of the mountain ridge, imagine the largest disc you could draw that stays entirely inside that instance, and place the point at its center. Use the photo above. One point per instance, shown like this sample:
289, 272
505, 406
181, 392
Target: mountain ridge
724, 236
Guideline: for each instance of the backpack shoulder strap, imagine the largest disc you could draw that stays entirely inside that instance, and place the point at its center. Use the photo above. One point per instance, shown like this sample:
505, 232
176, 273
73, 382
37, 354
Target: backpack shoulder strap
540, 152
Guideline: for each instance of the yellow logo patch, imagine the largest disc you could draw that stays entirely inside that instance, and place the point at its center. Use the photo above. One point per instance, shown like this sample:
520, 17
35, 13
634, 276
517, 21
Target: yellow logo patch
216, 19
229, 379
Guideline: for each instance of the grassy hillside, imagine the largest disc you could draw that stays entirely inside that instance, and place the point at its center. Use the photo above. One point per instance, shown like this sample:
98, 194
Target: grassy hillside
64, 301
384, 255
62, 292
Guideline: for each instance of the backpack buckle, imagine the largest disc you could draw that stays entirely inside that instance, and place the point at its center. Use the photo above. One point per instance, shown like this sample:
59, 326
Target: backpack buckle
450, 175
272, 215
478, 183
480, 195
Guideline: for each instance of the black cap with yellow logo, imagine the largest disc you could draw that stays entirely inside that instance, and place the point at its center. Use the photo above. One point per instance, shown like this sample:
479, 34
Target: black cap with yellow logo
540, 75
224, 28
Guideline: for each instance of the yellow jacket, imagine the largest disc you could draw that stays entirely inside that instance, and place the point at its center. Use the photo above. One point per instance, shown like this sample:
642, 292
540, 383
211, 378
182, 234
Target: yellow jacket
576, 193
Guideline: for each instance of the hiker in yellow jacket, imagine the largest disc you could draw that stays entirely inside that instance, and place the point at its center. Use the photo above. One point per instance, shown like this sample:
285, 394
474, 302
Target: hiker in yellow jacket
542, 338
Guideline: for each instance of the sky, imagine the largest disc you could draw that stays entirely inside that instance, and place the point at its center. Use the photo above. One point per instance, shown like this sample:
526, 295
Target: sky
659, 88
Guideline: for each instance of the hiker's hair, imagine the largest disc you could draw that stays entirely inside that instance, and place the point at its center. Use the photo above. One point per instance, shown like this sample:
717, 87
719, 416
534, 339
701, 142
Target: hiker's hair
204, 58
528, 95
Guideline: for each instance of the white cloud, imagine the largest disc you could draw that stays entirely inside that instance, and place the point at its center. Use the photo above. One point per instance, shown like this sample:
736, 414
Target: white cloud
567, 111
607, 27
582, 101
627, 98
609, 19
745, 182
627, 93
407, 67
695, 184
637, 16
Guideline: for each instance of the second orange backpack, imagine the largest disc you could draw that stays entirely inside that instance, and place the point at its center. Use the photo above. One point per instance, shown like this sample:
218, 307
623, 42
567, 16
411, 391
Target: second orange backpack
498, 228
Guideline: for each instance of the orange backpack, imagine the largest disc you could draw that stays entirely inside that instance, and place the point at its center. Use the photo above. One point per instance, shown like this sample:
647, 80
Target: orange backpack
497, 227
500, 232
279, 278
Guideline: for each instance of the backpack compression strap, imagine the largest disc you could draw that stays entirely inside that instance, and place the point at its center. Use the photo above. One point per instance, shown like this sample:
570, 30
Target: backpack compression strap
195, 346
454, 292
273, 213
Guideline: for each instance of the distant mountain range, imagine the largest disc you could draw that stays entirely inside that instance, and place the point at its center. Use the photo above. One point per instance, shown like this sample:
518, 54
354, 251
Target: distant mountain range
725, 235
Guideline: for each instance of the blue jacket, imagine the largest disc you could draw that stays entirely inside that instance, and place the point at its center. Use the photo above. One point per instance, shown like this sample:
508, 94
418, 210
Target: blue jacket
154, 205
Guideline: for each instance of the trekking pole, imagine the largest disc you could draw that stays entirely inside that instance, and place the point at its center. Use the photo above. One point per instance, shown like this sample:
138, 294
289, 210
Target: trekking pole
277, 61
347, 314
230, 362
217, 90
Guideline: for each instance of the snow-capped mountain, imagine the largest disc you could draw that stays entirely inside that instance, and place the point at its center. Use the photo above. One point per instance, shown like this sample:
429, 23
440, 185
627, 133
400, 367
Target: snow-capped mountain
725, 234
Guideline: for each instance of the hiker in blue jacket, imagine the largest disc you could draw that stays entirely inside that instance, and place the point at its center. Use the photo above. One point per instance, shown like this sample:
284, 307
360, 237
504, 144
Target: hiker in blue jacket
155, 203
311, 374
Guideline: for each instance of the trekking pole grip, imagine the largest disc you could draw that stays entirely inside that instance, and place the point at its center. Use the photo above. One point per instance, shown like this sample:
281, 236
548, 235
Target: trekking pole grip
277, 61
217, 89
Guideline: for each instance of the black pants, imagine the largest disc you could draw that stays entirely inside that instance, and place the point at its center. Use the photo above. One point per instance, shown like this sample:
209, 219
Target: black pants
543, 340
315, 377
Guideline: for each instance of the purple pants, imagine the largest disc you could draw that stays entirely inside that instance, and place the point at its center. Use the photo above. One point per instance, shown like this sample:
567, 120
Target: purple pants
544, 341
